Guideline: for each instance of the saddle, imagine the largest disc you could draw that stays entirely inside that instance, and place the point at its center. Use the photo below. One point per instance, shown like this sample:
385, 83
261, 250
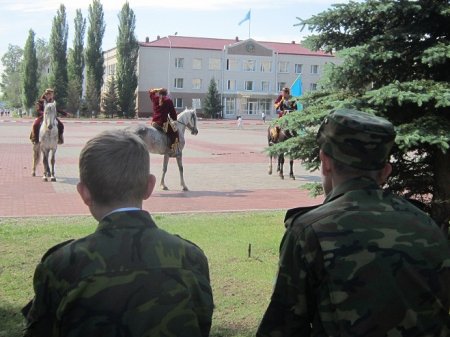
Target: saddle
275, 133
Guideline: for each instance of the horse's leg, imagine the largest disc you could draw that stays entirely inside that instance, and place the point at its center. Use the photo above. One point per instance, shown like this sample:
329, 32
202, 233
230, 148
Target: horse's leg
53, 166
291, 169
46, 166
36, 157
270, 164
180, 168
280, 165
165, 163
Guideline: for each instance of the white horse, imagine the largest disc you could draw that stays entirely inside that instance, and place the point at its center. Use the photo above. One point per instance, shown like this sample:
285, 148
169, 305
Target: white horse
158, 142
48, 142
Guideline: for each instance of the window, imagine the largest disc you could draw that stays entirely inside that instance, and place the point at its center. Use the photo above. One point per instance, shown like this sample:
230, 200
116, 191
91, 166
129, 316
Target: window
249, 65
178, 83
179, 62
232, 64
281, 85
178, 102
266, 66
231, 85
229, 105
214, 64
196, 83
265, 105
196, 103
313, 86
298, 68
111, 69
314, 69
197, 64
248, 85
265, 86
283, 67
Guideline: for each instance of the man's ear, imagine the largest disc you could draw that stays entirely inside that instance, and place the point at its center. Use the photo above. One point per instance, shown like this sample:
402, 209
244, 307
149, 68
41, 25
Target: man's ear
150, 186
84, 194
384, 173
325, 166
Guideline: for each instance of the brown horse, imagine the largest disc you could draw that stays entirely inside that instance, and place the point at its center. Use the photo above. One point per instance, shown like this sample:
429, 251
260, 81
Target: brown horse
274, 136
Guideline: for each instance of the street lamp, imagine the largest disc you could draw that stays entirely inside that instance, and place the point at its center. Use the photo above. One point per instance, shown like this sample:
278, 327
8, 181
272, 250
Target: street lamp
169, 63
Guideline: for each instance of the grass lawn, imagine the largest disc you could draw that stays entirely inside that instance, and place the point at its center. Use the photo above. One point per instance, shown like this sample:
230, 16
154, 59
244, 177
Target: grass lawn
241, 284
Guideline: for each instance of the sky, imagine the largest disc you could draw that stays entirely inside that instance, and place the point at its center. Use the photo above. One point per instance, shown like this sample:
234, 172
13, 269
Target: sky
270, 20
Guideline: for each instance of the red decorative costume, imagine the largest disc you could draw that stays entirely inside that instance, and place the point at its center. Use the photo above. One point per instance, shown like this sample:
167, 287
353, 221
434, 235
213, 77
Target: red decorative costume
162, 108
283, 105
34, 136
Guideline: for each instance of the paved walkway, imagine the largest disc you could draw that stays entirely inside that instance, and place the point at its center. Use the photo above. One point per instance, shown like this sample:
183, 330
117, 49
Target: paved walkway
225, 169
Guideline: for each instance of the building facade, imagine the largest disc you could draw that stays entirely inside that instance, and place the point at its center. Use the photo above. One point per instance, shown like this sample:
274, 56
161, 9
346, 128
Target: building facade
249, 74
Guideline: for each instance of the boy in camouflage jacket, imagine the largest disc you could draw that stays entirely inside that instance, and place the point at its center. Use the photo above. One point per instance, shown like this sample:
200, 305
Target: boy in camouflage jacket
128, 278
366, 262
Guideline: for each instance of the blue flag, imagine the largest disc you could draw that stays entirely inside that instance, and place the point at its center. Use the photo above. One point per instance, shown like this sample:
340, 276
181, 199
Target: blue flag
296, 87
247, 17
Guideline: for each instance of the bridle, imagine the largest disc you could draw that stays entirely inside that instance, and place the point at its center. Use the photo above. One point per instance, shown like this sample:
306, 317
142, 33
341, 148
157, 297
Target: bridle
193, 117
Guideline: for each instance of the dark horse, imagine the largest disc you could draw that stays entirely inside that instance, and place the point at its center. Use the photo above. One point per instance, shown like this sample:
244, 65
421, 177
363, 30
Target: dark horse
273, 139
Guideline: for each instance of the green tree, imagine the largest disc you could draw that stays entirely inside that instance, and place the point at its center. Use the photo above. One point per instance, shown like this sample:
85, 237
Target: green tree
58, 49
29, 78
43, 59
94, 56
127, 53
76, 63
212, 104
395, 63
11, 83
110, 102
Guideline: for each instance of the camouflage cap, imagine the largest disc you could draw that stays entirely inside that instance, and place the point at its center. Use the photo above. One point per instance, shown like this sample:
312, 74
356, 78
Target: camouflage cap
356, 138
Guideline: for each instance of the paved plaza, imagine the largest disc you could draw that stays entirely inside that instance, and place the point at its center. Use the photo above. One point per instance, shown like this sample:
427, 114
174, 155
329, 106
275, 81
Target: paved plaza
225, 169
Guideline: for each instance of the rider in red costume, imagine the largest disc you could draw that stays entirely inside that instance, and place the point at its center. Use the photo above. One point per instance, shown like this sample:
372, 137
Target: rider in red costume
163, 109
47, 97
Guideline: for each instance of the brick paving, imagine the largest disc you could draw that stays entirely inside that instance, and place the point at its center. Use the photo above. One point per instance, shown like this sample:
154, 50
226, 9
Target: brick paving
225, 169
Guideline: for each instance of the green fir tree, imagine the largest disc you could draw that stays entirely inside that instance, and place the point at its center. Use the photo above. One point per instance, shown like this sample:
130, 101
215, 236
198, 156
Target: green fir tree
212, 106
396, 64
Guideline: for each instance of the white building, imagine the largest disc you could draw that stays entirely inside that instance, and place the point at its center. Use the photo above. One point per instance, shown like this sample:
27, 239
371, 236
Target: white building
249, 74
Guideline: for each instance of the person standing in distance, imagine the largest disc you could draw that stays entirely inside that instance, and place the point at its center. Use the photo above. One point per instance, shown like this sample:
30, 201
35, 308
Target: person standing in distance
128, 278
365, 262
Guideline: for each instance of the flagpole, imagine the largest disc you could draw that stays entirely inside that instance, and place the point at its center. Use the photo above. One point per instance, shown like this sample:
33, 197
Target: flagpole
249, 20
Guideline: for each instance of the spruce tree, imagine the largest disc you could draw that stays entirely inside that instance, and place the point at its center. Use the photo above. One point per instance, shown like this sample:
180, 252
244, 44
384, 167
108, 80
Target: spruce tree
94, 56
58, 49
395, 64
29, 78
127, 53
212, 104
110, 100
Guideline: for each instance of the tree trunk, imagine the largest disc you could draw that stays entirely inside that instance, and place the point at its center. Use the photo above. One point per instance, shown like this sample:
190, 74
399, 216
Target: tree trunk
440, 207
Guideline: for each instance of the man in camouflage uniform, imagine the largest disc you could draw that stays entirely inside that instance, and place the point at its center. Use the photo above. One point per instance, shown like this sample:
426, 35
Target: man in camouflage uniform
128, 278
366, 262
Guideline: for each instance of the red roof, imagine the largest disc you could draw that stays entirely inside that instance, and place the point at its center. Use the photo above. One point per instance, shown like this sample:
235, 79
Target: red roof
175, 41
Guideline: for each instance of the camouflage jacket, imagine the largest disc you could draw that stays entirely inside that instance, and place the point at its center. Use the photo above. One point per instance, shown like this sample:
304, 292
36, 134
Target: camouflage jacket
128, 278
365, 263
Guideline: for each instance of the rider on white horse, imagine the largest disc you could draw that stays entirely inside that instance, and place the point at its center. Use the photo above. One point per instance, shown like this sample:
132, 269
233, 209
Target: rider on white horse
164, 115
